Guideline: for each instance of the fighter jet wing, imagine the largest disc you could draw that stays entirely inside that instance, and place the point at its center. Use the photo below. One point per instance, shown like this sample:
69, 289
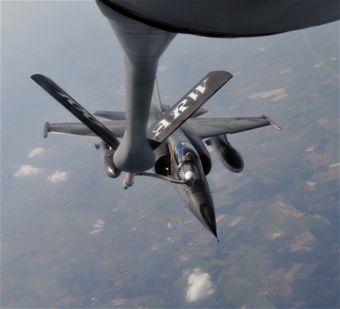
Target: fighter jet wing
207, 127
110, 115
117, 127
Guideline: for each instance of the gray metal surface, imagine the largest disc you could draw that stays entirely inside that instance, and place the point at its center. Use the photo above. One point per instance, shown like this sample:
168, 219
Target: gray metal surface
206, 127
117, 127
230, 18
143, 45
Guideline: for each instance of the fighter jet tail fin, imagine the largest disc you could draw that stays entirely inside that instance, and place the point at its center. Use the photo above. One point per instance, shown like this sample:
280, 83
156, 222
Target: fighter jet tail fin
77, 110
174, 117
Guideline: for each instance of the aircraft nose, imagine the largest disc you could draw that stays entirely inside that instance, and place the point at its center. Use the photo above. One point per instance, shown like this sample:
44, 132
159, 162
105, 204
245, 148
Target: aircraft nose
200, 202
208, 215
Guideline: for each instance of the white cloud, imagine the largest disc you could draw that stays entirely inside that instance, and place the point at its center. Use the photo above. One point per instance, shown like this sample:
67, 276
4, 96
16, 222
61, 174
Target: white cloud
27, 170
199, 286
35, 152
286, 71
98, 227
99, 224
58, 177
274, 94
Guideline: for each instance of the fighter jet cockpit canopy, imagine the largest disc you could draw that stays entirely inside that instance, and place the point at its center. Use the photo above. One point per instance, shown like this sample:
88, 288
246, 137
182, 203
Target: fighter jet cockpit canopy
186, 159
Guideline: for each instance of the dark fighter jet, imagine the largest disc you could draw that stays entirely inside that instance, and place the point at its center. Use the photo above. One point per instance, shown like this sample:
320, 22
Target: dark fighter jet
176, 135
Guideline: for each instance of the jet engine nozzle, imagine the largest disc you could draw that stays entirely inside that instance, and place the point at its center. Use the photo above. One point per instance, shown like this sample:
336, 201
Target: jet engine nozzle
229, 156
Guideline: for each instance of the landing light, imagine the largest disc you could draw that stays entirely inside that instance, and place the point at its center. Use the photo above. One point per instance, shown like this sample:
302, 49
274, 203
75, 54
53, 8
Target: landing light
189, 176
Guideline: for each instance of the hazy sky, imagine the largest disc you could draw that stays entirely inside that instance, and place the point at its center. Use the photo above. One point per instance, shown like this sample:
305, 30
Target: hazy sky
59, 207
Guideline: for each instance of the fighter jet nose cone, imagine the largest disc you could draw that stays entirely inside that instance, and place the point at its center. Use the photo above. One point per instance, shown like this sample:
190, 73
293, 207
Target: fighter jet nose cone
208, 215
214, 231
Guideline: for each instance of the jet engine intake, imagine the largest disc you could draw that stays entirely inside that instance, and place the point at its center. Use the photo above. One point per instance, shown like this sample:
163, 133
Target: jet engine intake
229, 156
162, 164
201, 150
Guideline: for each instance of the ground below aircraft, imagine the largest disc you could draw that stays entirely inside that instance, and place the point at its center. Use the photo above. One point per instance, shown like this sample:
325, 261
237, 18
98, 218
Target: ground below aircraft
177, 135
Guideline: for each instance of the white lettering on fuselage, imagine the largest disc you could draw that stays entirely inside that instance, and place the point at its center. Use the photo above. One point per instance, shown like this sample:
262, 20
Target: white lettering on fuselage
180, 108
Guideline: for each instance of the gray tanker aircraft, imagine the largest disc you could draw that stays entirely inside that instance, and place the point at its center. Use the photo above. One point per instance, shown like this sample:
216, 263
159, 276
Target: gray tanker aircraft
169, 140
